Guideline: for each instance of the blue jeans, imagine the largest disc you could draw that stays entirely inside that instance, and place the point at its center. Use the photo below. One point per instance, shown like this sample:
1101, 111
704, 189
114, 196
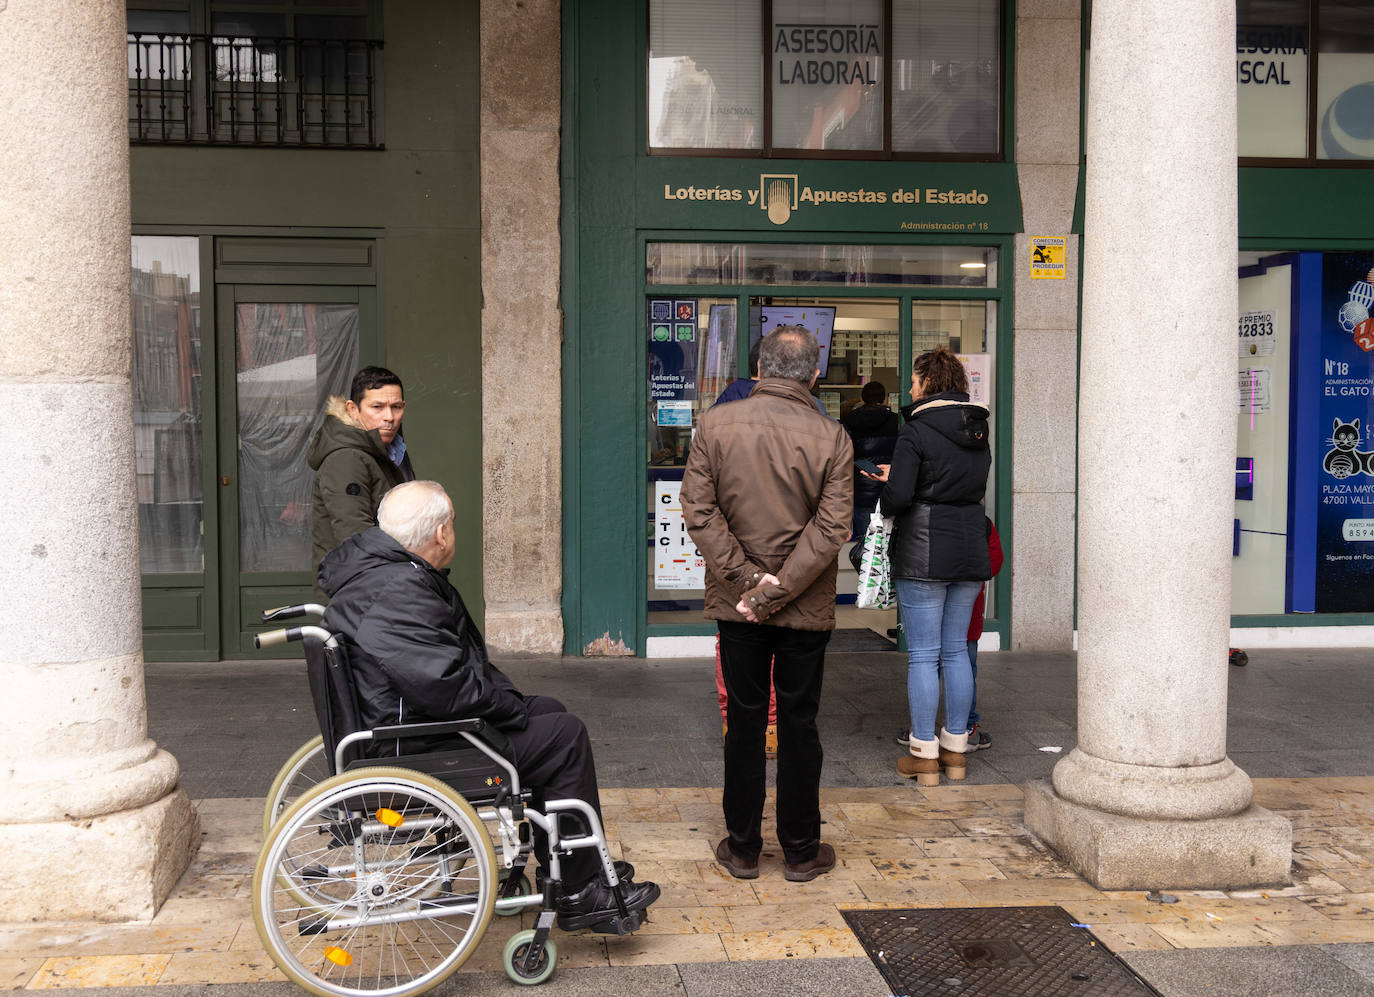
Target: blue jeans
935, 617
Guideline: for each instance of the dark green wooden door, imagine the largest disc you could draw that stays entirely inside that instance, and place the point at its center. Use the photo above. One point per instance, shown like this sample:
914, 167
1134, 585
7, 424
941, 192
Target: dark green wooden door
283, 350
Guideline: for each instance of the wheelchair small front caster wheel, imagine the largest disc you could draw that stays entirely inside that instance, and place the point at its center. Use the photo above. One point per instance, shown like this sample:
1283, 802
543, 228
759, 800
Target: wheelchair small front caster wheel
514, 959
1239, 658
522, 890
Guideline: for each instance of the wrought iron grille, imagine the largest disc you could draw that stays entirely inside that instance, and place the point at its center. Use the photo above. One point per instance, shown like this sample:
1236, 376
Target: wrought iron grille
209, 89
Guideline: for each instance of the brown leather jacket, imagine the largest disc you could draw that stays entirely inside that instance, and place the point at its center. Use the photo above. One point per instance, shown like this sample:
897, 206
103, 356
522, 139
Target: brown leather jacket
769, 488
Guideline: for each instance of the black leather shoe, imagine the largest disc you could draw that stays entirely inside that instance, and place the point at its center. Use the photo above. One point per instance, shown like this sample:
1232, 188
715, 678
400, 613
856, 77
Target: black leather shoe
595, 903
624, 872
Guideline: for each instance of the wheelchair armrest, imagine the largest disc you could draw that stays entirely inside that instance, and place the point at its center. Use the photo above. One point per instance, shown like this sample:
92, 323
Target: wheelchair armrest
476, 725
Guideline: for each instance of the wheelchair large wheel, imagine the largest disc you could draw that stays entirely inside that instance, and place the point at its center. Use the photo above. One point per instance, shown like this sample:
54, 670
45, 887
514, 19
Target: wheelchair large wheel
376, 883
307, 767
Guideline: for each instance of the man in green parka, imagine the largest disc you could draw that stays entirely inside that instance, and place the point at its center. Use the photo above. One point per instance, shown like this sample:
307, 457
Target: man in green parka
358, 454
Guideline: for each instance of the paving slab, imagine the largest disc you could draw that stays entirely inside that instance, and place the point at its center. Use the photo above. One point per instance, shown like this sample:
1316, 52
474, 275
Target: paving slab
1278, 971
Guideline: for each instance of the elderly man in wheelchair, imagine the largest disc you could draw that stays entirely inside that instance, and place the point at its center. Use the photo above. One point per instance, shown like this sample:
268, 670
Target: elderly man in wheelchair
374, 858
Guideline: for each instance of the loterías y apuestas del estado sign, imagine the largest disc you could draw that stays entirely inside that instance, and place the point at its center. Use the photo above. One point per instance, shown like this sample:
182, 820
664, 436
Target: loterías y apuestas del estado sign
779, 195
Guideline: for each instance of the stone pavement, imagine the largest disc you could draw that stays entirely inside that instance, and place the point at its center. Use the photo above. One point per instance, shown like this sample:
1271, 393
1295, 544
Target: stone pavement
657, 740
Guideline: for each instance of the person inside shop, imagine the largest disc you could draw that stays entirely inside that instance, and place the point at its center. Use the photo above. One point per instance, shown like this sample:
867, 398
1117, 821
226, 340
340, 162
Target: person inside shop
417, 657
872, 428
358, 454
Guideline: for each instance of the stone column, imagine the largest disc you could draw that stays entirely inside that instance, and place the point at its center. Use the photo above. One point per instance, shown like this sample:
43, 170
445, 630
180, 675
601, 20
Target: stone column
1148, 798
94, 826
1045, 320
522, 327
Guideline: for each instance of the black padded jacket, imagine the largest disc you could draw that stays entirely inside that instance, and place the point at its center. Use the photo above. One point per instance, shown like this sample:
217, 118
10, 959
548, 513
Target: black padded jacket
417, 655
935, 491
873, 430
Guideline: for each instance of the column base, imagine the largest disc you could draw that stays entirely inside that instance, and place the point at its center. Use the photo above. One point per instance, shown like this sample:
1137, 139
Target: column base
1252, 848
118, 867
533, 630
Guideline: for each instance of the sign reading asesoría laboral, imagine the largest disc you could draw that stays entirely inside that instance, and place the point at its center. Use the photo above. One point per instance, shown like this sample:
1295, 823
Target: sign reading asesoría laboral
826, 54
1345, 502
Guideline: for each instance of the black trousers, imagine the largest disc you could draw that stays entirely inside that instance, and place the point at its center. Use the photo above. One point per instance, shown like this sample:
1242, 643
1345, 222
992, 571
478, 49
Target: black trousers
554, 758
797, 659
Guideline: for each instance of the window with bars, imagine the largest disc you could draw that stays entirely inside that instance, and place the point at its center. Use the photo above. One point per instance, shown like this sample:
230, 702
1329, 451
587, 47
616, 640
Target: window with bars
274, 73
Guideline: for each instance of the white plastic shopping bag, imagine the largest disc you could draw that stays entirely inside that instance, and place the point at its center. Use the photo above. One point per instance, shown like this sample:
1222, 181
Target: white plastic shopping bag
875, 572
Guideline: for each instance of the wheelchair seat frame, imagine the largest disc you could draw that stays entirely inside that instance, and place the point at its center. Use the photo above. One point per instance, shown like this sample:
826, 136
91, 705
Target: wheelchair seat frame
380, 880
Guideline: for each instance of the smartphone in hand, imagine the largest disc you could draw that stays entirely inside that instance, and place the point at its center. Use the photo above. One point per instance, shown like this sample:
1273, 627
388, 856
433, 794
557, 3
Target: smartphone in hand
864, 464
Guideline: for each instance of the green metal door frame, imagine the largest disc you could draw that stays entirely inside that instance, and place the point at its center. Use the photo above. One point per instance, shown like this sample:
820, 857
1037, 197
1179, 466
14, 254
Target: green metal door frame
905, 297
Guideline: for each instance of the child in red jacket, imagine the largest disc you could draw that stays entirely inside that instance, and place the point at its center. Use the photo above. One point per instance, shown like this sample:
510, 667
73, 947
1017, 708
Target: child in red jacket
977, 739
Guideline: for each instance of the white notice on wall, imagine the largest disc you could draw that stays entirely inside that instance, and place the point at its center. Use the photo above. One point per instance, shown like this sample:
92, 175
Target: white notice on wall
979, 368
1254, 389
677, 562
1257, 334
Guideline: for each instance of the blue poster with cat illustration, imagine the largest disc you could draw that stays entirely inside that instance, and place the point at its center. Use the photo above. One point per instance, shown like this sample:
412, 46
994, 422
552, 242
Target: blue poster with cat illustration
1345, 418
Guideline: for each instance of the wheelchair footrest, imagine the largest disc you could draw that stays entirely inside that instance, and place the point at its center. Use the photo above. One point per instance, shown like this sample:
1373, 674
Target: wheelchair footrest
617, 925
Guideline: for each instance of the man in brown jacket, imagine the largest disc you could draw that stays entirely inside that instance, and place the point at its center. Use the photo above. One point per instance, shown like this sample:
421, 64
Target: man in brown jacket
768, 495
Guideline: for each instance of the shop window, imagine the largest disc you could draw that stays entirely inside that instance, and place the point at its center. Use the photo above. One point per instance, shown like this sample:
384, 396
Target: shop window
1303, 533
1286, 50
824, 265
706, 305
870, 79
947, 85
1271, 77
705, 78
165, 310
826, 74
1345, 80
209, 72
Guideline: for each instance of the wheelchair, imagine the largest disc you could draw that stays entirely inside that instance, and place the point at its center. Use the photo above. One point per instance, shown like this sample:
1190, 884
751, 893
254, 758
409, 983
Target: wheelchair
378, 877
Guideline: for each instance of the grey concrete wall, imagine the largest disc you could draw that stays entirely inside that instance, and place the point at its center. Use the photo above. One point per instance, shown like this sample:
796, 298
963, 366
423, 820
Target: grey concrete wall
522, 326
1045, 328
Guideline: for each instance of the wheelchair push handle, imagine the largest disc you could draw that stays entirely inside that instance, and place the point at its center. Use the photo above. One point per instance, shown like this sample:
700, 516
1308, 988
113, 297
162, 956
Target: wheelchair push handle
292, 612
271, 638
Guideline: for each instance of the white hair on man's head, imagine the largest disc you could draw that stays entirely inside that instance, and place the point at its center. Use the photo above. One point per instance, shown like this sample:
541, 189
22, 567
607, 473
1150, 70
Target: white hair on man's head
412, 511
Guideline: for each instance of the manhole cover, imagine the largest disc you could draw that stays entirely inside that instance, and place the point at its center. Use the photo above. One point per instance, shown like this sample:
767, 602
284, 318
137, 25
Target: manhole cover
991, 952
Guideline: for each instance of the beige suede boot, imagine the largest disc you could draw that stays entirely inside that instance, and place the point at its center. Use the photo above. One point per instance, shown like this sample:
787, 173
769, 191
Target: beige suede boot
923, 764
952, 748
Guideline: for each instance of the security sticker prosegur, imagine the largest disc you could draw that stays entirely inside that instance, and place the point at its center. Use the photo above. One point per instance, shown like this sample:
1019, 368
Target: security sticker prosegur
1047, 257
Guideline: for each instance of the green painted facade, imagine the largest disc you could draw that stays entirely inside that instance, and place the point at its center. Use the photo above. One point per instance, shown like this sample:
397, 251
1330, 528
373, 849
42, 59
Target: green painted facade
414, 208
617, 197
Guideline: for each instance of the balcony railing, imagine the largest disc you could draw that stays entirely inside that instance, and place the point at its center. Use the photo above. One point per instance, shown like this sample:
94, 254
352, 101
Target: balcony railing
204, 89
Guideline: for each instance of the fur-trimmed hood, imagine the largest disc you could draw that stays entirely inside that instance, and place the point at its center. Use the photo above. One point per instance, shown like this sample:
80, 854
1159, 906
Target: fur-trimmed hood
337, 406
338, 431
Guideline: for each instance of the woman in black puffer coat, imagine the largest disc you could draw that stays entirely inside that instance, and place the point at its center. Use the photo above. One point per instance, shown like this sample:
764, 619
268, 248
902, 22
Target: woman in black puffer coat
939, 554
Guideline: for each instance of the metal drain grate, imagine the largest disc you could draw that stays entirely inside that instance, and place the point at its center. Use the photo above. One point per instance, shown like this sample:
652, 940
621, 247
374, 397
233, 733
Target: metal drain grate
991, 952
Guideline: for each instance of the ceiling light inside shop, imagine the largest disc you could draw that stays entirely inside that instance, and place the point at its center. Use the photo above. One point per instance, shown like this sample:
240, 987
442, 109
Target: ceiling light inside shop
973, 266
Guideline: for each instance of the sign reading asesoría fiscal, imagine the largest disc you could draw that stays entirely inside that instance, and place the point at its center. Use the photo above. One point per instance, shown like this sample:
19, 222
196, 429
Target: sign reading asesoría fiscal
935, 198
